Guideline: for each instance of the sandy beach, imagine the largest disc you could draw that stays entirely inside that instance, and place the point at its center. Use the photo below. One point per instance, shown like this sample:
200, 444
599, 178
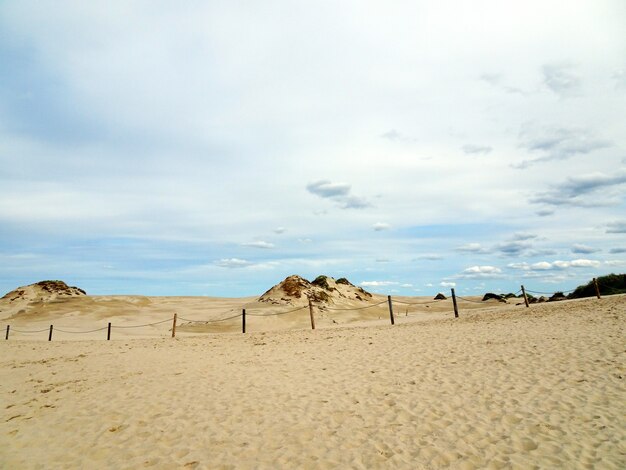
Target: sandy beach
499, 387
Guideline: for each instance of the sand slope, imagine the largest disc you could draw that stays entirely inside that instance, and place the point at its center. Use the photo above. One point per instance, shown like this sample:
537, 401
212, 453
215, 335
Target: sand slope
510, 388
76, 318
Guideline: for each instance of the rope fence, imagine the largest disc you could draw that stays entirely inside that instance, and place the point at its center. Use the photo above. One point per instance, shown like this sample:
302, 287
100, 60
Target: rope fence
523, 292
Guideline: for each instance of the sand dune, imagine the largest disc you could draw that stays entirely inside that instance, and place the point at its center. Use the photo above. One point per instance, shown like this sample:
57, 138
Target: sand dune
503, 387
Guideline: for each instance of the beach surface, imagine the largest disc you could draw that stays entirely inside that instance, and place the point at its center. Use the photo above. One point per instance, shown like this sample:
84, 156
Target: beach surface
502, 386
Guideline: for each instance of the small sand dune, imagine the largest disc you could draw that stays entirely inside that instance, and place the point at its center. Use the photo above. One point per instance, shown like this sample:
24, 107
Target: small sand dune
502, 387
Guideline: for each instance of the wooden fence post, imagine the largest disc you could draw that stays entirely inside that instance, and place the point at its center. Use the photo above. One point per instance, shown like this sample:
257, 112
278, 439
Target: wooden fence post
595, 283
390, 310
109, 332
456, 309
311, 314
7, 335
174, 325
243, 320
525, 297
50, 334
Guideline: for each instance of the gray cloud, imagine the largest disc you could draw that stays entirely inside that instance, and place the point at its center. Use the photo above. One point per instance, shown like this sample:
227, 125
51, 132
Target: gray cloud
380, 226
471, 248
614, 251
560, 79
259, 244
523, 236
496, 80
583, 249
572, 191
557, 143
471, 149
391, 135
544, 213
354, 202
619, 76
520, 244
574, 186
325, 188
616, 227
395, 136
430, 257
339, 193
513, 248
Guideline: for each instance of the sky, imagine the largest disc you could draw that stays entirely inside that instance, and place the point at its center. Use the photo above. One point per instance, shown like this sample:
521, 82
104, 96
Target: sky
216, 147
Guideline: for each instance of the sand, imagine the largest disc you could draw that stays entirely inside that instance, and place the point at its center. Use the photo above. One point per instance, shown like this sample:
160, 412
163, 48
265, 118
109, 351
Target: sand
499, 387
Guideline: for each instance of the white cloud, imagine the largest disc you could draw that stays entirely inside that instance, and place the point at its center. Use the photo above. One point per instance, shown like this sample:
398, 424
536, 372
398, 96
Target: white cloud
471, 248
615, 262
233, 263
558, 264
378, 283
280, 230
585, 263
480, 272
447, 284
541, 265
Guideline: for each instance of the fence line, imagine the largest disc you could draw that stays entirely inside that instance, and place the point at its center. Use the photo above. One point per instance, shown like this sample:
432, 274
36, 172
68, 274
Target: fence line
388, 301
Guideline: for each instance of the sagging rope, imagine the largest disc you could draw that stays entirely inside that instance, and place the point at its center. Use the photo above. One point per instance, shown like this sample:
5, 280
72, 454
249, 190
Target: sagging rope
30, 331
357, 308
419, 303
549, 293
141, 326
88, 331
468, 300
274, 314
208, 321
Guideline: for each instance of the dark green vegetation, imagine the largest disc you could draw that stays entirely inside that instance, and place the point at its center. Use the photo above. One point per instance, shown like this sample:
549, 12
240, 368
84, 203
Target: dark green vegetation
609, 285
322, 281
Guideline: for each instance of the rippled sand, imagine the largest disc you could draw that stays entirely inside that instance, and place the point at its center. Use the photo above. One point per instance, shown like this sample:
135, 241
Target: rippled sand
507, 387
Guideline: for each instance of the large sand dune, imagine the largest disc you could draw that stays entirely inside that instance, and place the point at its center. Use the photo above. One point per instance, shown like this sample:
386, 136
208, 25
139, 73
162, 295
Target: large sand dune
499, 387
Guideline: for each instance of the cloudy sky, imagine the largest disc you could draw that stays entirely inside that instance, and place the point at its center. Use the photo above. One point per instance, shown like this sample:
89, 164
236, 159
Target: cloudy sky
213, 148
